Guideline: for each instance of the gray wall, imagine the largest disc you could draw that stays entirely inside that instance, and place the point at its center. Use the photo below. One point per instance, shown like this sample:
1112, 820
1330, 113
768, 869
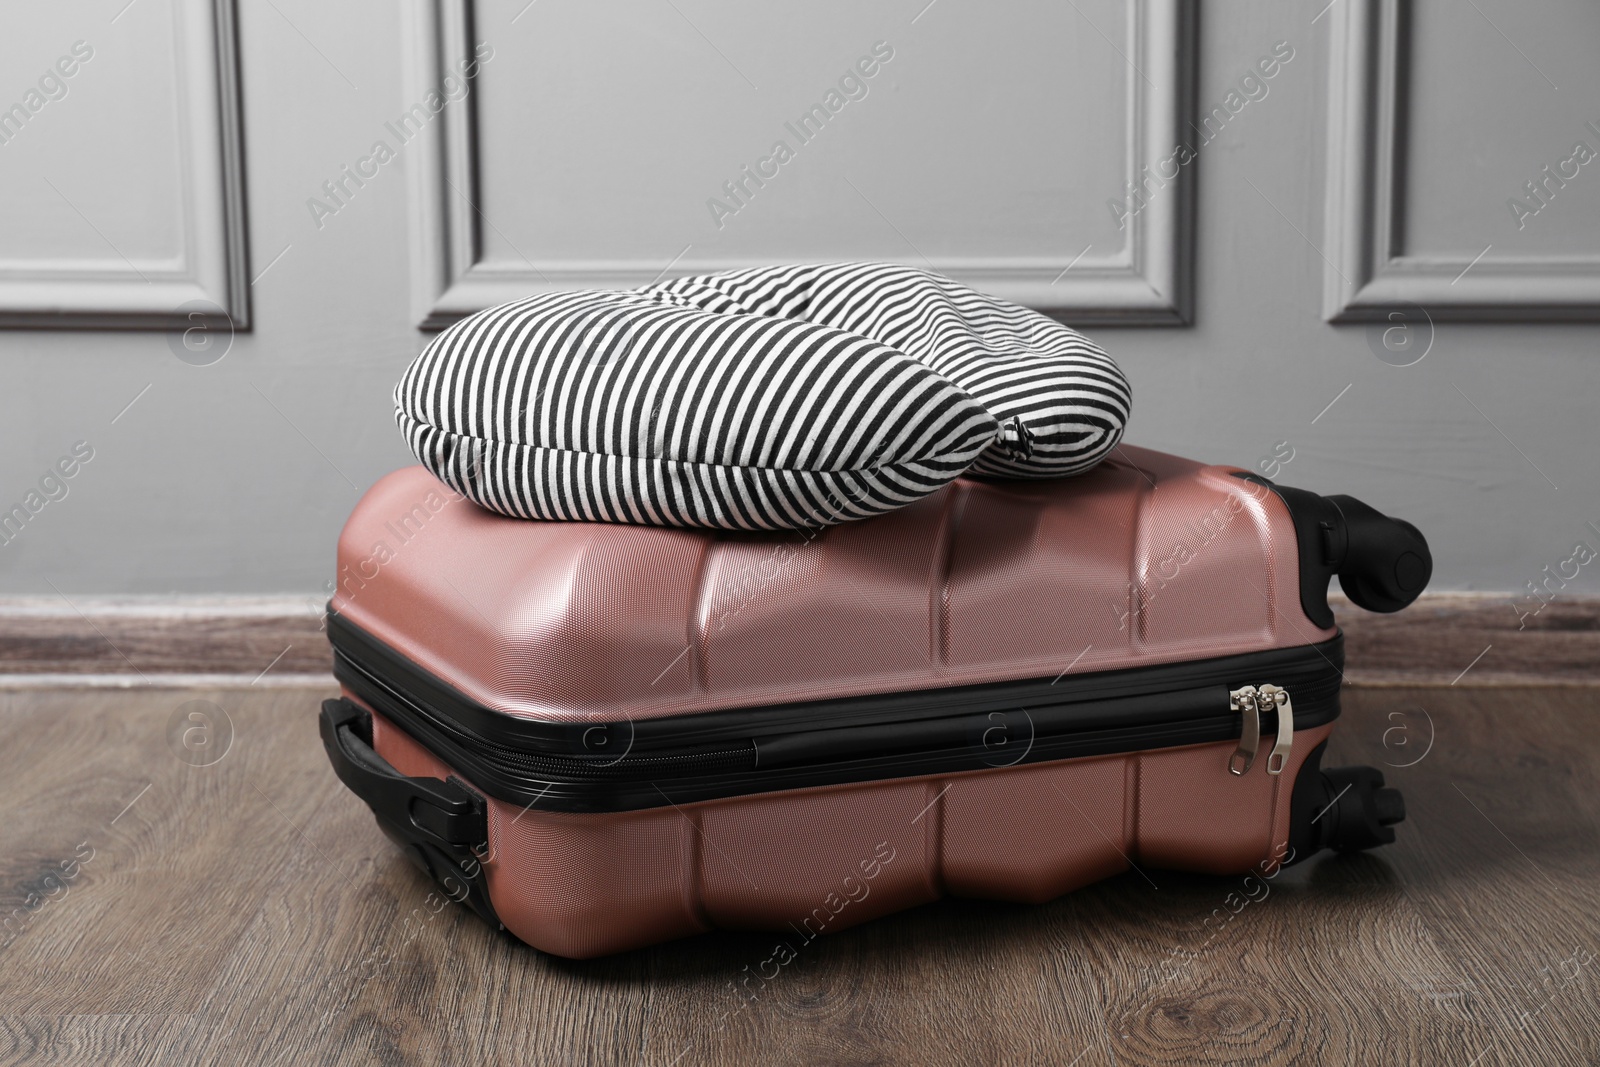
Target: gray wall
1376, 167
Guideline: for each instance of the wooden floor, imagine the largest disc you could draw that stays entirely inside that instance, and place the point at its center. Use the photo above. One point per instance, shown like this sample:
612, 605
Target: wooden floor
249, 911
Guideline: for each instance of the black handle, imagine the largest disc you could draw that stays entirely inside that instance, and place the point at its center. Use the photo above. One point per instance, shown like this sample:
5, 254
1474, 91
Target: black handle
441, 812
1383, 563
441, 825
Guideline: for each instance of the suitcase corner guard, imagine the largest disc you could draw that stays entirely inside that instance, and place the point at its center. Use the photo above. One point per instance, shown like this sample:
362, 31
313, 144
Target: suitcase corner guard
440, 825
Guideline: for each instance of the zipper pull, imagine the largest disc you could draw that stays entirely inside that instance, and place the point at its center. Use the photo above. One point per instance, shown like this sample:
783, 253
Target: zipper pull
1244, 702
1270, 696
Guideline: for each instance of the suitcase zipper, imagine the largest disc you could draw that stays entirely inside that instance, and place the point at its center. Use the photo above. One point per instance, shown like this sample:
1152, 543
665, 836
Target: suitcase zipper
1279, 756
1243, 701
417, 719
555, 765
1250, 701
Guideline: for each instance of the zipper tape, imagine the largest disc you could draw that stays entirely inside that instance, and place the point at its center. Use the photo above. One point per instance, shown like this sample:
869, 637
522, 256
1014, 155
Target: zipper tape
1313, 669
755, 750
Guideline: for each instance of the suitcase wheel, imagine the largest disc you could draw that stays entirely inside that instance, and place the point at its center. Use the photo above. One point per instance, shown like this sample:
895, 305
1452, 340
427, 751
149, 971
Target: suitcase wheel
1347, 809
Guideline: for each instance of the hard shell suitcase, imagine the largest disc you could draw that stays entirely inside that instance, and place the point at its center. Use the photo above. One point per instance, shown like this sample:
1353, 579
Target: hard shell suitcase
605, 736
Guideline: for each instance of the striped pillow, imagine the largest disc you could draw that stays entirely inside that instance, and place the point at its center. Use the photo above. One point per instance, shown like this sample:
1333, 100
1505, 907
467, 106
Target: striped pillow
642, 408
1061, 402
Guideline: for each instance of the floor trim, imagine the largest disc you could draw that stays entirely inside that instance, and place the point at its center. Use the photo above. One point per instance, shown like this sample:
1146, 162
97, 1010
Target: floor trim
1469, 639
252, 639
1474, 639
59, 680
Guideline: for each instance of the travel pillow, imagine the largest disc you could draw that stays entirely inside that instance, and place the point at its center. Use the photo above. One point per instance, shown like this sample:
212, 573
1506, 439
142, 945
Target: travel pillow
647, 408
1059, 399
773, 398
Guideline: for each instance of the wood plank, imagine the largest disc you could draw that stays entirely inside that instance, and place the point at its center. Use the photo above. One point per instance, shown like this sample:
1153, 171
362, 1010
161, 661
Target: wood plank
1502, 860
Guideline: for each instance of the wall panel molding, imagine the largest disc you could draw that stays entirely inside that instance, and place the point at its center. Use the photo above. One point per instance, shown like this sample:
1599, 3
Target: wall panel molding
213, 267
1369, 274
1148, 282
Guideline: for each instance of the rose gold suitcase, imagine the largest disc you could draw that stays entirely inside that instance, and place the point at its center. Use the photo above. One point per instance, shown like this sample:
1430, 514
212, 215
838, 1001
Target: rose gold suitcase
604, 736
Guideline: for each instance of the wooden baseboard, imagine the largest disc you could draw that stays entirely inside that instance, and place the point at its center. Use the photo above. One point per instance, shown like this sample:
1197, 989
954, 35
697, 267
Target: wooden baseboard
1473, 639
1444, 639
135, 641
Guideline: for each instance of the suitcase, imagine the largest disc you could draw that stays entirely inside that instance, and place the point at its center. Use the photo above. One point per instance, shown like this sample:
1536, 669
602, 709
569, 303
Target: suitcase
605, 736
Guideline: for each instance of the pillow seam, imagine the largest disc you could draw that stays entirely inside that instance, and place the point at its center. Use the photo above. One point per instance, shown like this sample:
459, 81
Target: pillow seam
691, 462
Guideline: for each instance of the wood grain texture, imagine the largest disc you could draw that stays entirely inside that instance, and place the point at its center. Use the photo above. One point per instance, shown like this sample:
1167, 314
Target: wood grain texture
1434, 641
249, 911
145, 639
1437, 640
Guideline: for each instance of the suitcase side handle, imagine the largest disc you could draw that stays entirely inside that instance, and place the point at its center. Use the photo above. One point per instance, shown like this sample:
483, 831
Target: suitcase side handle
441, 825
442, 812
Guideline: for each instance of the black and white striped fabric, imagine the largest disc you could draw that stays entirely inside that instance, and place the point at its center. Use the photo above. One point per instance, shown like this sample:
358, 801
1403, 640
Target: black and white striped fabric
644, 408
1061, 402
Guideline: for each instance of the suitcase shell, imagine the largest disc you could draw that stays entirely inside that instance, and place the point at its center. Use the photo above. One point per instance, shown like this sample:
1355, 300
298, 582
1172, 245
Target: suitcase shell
605, 736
